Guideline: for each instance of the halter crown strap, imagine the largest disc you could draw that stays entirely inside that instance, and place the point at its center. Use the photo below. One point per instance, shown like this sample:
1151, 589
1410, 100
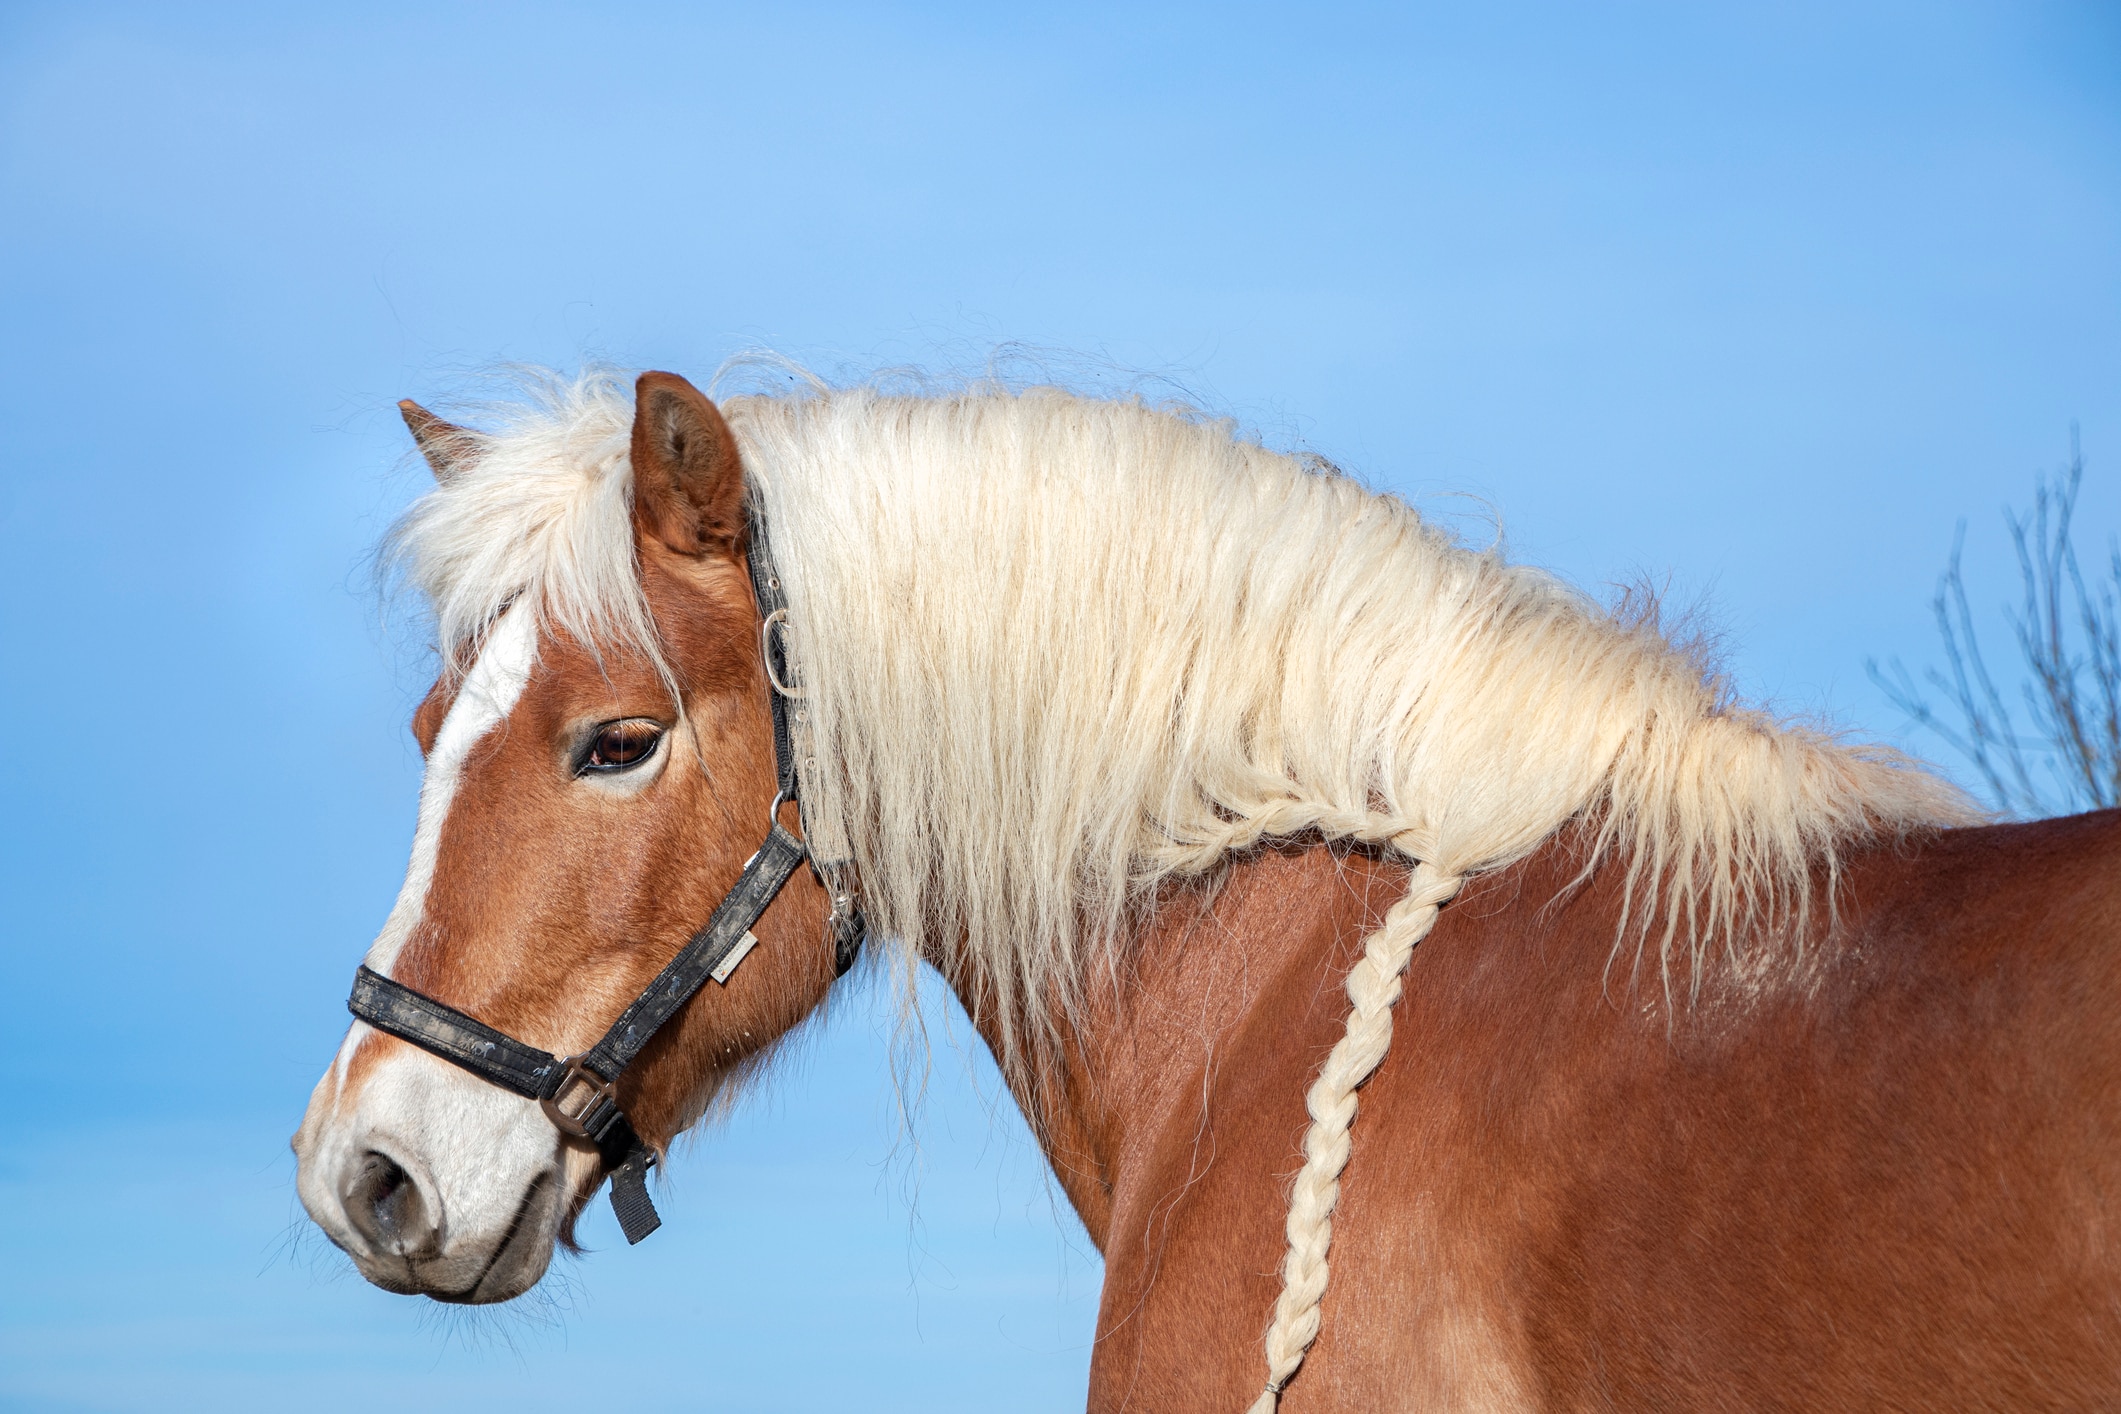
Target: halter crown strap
825, 836
579, 1093
794, 733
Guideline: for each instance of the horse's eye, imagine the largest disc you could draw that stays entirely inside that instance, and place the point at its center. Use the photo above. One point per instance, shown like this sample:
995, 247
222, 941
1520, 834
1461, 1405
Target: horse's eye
618, 745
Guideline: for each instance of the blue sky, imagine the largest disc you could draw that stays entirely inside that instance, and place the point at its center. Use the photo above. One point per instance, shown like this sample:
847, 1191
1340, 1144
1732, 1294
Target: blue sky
1756, 301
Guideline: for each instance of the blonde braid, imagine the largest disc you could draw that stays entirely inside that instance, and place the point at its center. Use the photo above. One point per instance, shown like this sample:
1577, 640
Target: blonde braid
1373, 986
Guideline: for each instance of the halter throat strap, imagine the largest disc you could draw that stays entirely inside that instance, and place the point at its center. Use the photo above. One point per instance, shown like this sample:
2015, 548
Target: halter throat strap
579, 1093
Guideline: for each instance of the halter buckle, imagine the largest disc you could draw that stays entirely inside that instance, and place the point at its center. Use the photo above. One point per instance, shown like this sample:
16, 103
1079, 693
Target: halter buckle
584, 1105
777, 619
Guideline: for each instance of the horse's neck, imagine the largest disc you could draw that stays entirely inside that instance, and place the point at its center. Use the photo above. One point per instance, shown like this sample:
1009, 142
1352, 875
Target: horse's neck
1135, 1072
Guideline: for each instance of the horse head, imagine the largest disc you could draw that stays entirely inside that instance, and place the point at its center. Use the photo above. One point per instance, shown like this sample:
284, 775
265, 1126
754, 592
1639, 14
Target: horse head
586, 802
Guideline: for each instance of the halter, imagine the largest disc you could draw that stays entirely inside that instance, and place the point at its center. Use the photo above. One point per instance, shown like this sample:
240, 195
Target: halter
579, 1093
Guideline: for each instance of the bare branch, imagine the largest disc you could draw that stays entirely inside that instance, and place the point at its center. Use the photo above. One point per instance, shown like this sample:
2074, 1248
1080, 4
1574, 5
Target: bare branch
2072, 693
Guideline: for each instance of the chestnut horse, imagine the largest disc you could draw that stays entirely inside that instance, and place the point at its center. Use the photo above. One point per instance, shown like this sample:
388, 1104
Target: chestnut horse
1736, 1067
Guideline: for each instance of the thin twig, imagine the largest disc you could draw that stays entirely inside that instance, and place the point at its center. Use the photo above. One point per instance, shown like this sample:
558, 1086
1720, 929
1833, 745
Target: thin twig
2072, 695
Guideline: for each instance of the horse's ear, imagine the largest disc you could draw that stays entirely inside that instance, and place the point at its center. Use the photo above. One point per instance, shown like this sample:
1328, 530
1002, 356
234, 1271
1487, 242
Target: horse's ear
688, 481
447, 447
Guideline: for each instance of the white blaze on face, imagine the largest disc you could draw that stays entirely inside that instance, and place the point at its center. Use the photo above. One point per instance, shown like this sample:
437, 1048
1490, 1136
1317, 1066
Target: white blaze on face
473, 1148
488, 694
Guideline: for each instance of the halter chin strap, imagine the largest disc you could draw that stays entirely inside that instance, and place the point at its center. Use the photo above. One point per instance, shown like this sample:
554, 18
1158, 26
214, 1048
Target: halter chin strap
579, 1093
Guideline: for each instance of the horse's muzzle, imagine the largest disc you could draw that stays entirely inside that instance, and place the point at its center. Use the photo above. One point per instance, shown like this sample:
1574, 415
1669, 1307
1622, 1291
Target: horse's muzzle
395, 1228
390, 1177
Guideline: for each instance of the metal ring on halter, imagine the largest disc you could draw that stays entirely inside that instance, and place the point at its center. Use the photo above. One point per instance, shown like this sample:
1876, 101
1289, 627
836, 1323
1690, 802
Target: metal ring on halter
778, 616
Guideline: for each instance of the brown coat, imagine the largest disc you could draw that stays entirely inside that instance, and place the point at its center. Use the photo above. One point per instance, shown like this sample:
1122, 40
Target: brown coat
1888, 1181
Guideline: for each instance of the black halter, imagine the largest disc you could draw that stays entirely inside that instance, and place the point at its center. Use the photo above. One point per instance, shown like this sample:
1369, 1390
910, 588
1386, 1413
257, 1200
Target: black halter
579, 1093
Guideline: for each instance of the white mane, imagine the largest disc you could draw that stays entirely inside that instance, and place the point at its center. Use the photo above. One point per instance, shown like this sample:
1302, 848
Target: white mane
1060, 650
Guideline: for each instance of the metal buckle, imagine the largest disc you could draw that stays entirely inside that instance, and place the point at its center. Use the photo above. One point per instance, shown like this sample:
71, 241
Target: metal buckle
779, 617
593, 1117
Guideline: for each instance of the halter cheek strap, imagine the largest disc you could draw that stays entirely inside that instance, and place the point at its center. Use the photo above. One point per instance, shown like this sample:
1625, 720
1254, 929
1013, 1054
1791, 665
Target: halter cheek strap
579, 1093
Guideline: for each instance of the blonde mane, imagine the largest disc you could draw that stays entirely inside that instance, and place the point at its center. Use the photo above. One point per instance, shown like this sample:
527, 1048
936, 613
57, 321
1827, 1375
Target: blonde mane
1061, 650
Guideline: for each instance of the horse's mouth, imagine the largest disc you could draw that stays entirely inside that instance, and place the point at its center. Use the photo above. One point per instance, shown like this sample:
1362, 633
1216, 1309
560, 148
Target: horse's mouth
514, 1265
521, 1256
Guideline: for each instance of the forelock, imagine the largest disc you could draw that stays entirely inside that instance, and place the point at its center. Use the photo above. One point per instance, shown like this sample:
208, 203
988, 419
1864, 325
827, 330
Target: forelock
540, 516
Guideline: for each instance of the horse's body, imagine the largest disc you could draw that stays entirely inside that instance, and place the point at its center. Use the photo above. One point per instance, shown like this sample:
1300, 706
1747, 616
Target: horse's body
1892, 1187
1734, 1077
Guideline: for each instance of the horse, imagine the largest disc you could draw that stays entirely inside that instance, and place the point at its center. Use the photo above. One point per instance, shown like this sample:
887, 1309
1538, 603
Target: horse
1704, 1060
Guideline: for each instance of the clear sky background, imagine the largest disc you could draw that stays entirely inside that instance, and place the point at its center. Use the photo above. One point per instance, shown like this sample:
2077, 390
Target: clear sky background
1757, 301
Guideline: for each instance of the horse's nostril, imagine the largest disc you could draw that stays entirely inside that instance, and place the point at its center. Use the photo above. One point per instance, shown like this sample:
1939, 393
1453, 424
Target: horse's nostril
384, 1203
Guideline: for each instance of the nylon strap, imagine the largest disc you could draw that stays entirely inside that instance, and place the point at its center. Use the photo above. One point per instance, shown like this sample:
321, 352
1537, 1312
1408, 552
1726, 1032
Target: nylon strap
444, 1031
630, 1202
500, 1059
686, 973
